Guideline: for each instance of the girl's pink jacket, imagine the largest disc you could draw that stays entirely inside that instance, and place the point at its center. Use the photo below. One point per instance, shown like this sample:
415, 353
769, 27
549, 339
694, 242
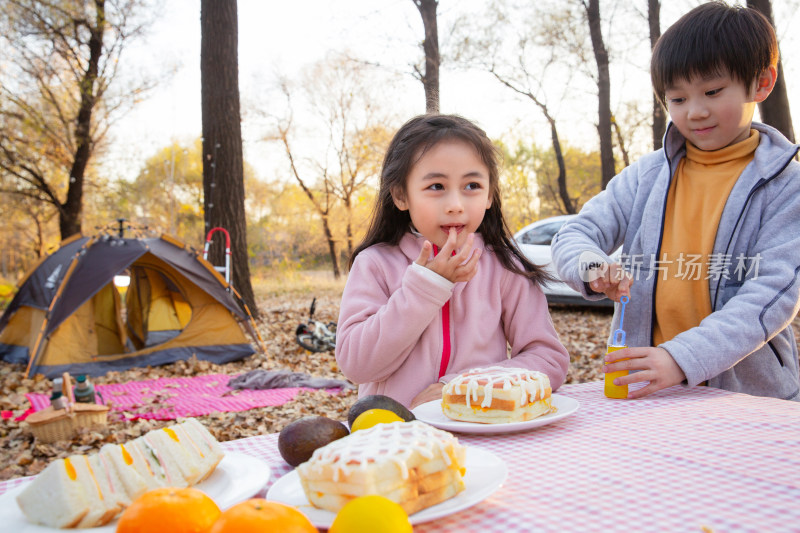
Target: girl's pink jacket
390, 333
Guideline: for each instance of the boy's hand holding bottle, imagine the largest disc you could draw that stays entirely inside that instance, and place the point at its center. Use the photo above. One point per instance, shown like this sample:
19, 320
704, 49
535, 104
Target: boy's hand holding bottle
653, 365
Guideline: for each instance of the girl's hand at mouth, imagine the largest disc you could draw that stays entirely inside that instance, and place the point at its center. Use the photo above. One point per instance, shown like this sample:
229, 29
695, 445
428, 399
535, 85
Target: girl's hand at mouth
461, 266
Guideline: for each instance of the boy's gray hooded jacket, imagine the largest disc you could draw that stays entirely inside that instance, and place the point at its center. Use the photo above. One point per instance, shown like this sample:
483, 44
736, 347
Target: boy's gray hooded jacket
747, 343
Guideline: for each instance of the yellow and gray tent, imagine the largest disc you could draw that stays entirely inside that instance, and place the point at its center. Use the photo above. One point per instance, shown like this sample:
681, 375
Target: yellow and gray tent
69, 316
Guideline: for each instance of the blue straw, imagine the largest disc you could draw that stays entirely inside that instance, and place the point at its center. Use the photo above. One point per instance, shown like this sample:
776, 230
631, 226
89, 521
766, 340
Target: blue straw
619, 334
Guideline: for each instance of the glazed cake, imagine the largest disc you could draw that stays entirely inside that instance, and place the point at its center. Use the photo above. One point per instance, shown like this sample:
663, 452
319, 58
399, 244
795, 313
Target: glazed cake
497, 395
411, 463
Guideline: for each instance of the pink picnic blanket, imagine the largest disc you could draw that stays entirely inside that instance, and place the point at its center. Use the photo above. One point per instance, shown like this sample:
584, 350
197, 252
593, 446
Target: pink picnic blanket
170, 398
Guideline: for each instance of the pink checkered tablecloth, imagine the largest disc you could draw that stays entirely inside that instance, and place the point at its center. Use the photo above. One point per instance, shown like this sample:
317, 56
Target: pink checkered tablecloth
698, 459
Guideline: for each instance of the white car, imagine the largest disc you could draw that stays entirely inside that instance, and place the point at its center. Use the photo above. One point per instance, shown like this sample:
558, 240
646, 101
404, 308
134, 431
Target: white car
534, 241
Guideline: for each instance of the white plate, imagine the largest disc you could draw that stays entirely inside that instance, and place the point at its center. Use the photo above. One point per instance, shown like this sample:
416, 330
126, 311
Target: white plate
485, 474
237, 477
431, 413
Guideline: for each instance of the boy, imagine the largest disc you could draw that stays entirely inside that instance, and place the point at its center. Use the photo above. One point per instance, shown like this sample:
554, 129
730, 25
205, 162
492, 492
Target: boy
709, 225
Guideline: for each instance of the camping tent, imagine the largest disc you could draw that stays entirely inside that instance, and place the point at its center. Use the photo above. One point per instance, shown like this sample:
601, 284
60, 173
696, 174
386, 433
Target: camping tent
69, 316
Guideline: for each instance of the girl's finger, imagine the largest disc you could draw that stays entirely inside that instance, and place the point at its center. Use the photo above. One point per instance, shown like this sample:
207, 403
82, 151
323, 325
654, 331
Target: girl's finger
470, 268
450, 245
476, 255
424, 254
466, 250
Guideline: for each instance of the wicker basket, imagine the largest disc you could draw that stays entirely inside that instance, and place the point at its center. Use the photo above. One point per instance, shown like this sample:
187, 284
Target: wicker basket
50, 425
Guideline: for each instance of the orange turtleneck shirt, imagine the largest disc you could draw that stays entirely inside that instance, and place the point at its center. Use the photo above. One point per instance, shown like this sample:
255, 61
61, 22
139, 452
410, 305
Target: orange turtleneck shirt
697, 196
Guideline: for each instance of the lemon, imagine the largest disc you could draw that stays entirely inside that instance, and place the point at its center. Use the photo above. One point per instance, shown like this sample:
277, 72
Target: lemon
371, 417
370, 514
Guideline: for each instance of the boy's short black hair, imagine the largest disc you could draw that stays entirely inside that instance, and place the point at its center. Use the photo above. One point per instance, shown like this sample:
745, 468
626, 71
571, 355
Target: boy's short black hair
714, 38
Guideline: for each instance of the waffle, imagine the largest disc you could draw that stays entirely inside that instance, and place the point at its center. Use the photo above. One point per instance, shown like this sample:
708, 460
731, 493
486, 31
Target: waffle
410, 463
497, 395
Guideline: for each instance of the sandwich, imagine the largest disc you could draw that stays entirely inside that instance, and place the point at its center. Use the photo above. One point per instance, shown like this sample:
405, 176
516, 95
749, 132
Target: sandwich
91, 490
103, 507
56, 498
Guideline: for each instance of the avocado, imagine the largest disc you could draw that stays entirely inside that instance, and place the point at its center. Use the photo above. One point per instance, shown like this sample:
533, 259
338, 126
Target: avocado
298, 440
378, 401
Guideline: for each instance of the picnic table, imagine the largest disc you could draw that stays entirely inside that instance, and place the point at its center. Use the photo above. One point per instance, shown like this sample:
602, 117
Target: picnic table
699, 459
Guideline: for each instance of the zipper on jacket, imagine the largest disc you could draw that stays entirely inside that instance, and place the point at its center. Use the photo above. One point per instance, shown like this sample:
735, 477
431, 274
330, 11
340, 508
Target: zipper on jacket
757, 186
660, 242
446, 348
445, 339
775, 351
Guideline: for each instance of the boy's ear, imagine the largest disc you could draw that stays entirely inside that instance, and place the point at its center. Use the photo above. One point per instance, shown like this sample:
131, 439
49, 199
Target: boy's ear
399, 199
765, 83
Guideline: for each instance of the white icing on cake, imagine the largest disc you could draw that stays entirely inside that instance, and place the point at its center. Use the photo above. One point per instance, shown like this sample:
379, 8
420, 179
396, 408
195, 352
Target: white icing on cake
531, 382
393, 442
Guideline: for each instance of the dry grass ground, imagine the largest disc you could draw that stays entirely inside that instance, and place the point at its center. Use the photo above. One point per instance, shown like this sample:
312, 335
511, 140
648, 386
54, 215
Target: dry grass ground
283, 302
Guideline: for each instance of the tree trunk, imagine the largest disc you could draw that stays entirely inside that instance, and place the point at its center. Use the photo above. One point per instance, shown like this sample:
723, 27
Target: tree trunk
40, 247
603, 93
223, 176
324, 211
659, 113
563, 193
430, 80
349, 228
626, 160
326, 226
69, 215
775, 109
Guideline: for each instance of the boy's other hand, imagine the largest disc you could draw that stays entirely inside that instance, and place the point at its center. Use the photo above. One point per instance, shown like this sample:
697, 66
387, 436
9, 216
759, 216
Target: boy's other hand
431, 392
461, 266
655, 366
613, 281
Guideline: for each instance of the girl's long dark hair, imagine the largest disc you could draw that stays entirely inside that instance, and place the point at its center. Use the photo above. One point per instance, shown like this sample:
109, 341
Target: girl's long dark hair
417, 136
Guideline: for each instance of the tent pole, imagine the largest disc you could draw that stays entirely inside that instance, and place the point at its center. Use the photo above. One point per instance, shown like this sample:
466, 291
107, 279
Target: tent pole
37, 346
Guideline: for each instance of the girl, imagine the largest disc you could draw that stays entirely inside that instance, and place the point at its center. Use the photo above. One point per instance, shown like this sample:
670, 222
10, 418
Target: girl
438, 286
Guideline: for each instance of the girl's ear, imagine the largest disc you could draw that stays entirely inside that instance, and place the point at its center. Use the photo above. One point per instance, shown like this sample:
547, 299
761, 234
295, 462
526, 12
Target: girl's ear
493, 191
765, 83
399, 199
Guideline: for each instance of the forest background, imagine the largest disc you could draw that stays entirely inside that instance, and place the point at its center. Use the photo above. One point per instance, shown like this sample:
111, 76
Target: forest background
323, 87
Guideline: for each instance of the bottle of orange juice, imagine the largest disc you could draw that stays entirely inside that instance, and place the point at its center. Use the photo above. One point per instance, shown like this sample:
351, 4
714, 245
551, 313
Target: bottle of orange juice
618, 343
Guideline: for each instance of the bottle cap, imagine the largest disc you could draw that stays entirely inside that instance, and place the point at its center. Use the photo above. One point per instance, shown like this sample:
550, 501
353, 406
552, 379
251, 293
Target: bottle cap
81, 378
56, 394
59, 403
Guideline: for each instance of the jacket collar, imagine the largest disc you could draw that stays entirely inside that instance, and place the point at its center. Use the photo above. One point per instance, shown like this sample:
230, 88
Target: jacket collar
773, 153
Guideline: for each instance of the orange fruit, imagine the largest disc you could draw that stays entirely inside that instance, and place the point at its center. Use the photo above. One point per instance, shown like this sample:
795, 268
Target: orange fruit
177, 510
258, 514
